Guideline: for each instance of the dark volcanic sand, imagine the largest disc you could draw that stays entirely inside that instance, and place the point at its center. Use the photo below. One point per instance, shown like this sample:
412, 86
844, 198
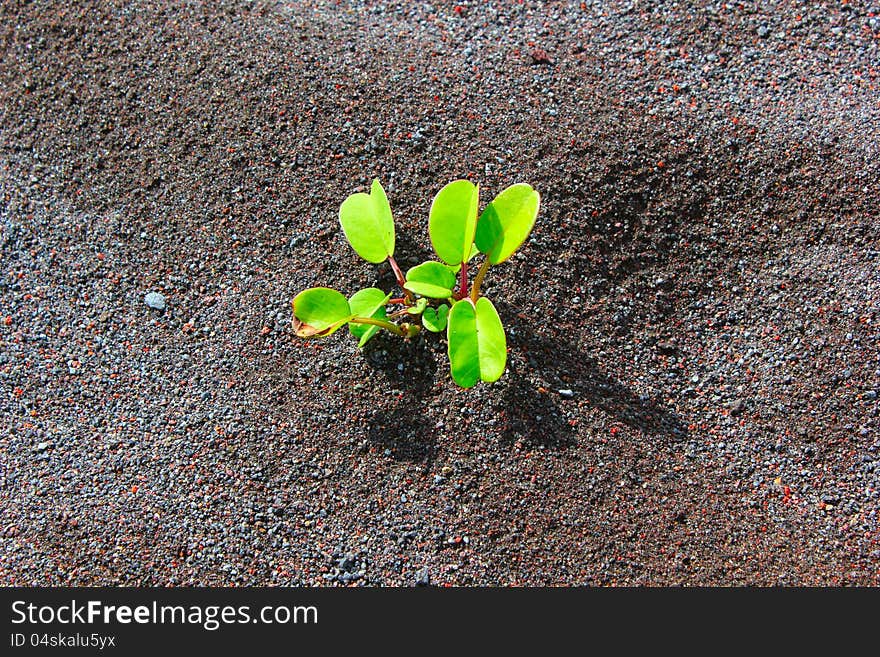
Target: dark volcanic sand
703, 276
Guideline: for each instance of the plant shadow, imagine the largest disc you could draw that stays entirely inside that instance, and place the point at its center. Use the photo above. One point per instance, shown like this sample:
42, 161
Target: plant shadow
535, 416
532, 419
410, 369
397, 432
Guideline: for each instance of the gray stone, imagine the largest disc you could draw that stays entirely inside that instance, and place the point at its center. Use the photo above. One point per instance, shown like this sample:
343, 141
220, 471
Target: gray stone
155, 300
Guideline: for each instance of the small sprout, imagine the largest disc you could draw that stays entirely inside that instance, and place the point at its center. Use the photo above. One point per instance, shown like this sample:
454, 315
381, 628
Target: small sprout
477, 346
319, 311
476, 343
431, 279
367, 303
435, 320
368, 224
418, 308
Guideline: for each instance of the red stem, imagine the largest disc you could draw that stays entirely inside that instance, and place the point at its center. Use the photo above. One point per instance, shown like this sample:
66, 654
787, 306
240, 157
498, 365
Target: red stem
397, 300
463, 286
401, 280
399, 274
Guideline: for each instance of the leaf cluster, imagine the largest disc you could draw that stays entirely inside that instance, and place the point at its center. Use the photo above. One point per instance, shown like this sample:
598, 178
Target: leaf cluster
436, 295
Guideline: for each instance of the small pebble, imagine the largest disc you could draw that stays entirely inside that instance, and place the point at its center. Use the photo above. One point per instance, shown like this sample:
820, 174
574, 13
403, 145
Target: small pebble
155, 300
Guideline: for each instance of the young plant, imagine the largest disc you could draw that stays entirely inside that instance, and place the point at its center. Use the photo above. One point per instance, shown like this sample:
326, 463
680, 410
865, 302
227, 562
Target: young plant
435, 295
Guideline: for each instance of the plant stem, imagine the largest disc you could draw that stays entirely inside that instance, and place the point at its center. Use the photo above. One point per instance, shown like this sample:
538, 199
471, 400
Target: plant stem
397, 273
463, 285
478, 281
399, 300
401, 280
388, 326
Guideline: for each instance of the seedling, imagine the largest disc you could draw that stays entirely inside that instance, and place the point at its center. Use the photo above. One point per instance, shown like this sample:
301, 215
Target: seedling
435, 295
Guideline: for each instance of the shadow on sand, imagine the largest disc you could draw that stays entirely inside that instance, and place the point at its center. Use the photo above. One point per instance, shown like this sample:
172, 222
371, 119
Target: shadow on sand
532, 416
535, 415
397, 427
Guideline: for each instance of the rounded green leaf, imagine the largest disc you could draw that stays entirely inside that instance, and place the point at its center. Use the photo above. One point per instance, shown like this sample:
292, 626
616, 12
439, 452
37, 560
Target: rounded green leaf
319, 311
430, 279
507, 221
368, 224
369, 302
435, 320
418, 308
477, 345
453, 220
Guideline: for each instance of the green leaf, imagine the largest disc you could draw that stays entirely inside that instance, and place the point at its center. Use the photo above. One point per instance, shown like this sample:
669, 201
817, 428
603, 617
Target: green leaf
319, 311
453, 220
430, 279
435, 320
419, 308
476, 342
507, 221
369, 302
368, 224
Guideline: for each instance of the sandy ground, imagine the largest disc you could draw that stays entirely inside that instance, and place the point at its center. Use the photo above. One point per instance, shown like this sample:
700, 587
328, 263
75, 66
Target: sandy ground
703, 279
